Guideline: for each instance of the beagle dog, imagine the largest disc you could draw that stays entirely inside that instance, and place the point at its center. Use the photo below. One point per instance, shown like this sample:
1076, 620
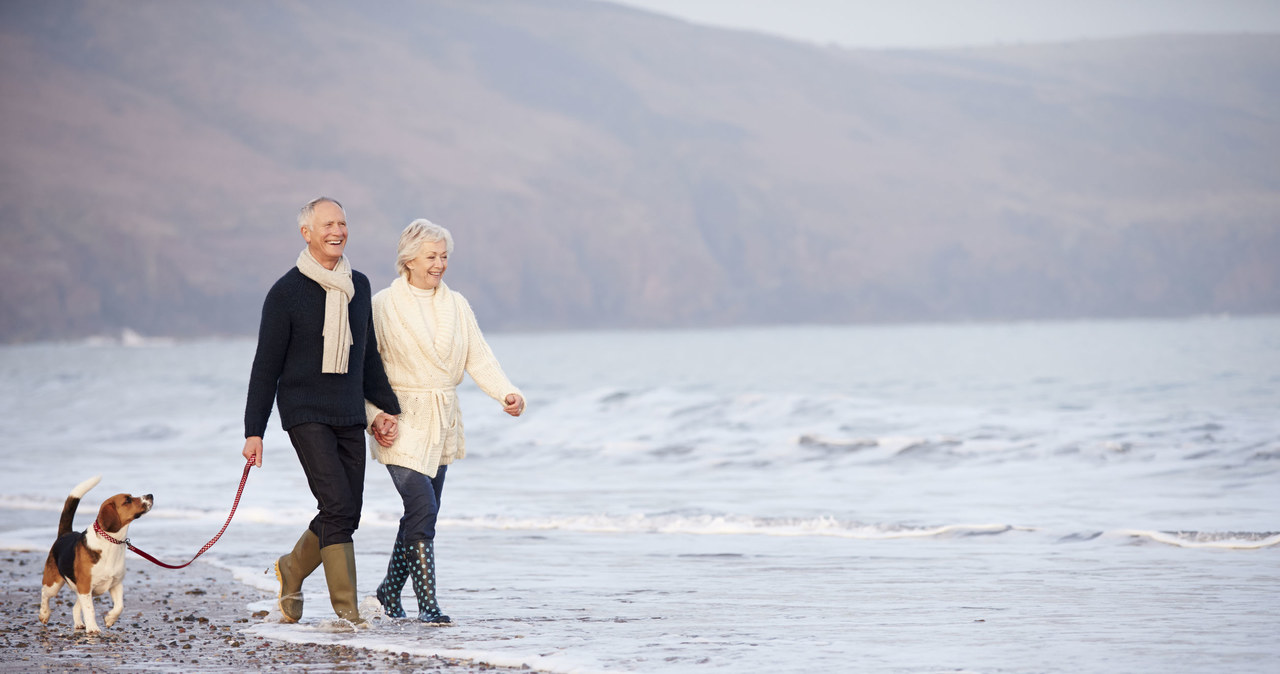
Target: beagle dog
92, 561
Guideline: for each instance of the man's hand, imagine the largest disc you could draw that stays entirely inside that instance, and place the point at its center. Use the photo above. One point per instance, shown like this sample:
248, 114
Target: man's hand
385, 429
253, 450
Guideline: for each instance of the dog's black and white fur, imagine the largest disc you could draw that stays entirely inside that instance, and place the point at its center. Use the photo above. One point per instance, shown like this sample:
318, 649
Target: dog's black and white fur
93, 563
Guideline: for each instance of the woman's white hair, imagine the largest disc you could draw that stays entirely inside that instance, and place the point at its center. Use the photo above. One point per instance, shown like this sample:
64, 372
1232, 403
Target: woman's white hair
418, 232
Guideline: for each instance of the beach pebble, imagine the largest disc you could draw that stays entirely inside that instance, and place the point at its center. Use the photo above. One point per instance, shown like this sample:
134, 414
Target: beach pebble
177, 626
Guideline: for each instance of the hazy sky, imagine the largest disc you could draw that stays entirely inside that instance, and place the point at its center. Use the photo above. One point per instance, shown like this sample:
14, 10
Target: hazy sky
951, 23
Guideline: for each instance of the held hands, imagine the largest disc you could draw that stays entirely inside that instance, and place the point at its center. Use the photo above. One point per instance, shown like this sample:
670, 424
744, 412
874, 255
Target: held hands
385, 429
253, 450
514, 404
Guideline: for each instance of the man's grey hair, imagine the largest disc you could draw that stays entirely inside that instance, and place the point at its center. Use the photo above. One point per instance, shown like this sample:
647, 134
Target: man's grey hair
418, 232
305, 213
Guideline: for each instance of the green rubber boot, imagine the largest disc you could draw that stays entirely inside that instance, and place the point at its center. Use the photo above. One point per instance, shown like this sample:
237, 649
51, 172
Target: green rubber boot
340, 574
291, 570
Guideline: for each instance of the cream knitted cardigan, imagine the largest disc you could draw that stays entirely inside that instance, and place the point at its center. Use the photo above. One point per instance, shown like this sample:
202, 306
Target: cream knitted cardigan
425, 373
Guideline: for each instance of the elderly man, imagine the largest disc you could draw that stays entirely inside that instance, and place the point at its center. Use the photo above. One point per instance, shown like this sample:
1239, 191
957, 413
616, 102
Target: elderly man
318, 359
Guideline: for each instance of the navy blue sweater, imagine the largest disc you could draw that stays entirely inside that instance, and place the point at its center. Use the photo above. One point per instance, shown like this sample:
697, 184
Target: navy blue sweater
286, 366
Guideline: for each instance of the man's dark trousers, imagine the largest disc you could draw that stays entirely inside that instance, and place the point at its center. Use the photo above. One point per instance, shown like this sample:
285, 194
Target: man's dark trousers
332, 458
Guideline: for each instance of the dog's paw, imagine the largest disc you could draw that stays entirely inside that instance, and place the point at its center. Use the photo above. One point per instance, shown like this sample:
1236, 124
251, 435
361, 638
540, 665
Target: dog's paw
44, 616
109, 620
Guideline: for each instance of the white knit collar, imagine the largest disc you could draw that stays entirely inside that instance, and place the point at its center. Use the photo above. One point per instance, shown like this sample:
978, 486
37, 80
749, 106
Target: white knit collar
409, 314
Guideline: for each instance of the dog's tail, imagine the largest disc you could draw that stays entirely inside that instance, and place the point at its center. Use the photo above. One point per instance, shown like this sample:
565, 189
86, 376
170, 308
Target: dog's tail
73, 501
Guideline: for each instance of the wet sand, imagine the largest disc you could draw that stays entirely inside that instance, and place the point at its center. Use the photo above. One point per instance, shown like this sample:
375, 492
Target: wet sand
174, 621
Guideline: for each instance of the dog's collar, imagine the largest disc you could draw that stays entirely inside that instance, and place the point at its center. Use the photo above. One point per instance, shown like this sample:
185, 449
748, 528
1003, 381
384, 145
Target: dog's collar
98, 528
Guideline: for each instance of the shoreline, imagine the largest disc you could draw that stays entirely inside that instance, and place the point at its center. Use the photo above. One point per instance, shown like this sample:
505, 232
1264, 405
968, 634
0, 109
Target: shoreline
190, 621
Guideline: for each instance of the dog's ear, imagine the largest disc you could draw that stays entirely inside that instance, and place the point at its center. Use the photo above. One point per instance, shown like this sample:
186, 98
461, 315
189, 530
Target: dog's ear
109, 516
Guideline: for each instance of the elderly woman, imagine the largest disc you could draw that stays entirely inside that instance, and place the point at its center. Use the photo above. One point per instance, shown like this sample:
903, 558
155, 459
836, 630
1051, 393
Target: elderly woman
427, 336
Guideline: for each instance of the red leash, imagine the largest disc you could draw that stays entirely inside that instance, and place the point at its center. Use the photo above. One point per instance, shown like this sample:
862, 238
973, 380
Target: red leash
208, 545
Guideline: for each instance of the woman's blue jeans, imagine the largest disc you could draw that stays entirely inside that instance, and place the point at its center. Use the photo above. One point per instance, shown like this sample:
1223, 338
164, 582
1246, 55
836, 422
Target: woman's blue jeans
421, 496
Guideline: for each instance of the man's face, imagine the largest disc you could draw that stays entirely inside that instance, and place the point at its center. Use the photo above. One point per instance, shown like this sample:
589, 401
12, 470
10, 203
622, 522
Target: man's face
326, 236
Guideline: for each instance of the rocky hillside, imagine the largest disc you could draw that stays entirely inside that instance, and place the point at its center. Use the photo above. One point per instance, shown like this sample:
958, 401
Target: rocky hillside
601, 166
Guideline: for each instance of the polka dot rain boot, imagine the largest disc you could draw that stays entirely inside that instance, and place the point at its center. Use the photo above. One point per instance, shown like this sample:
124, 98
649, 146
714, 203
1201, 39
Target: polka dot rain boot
393, 583
422, 570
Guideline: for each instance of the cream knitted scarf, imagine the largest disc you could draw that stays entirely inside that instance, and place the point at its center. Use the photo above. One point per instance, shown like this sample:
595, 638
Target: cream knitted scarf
338, 290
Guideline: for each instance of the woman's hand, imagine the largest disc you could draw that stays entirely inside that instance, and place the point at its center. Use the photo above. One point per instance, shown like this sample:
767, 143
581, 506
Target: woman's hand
385, 429
514, 404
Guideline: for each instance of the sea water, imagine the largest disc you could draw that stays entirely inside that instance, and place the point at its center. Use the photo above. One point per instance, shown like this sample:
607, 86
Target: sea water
1031, 497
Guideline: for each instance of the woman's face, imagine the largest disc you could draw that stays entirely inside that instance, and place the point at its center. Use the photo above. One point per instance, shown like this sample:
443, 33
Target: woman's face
426, 270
